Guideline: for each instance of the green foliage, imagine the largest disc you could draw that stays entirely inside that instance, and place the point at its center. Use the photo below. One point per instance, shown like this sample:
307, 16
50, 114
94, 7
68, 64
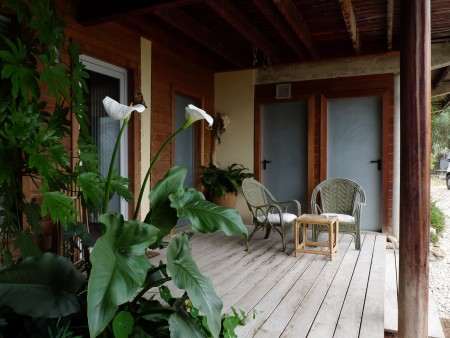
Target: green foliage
31, 135
437, 221
220, 181
120, 250
187, 276
440, 135
41, 287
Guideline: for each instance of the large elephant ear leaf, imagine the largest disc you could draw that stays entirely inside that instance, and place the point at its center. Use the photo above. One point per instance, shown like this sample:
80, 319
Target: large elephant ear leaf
42, 286
119, 267
162, 215
186, 275
181, 326
207, 217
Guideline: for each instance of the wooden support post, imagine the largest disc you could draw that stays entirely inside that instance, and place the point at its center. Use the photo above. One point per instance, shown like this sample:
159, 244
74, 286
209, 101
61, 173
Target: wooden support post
415, 168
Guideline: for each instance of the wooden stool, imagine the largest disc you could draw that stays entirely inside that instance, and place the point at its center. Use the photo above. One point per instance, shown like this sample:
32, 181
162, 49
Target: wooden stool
333, 233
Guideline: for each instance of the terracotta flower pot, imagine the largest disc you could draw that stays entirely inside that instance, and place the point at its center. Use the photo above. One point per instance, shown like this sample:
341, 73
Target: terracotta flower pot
229, 201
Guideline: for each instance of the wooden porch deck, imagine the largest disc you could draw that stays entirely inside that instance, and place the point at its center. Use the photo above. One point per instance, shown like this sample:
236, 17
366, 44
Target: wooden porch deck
304, 296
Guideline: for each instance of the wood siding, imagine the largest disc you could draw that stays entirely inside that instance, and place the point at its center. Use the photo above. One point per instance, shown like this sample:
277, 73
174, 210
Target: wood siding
317, 92
171, 74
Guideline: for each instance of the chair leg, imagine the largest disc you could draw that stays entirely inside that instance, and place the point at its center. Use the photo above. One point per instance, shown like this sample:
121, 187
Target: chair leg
283, 239
254, 230
315, 233
357, 241
268, 229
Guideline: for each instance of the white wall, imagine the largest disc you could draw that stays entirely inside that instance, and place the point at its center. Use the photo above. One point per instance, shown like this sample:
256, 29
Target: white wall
234, 96
146, 88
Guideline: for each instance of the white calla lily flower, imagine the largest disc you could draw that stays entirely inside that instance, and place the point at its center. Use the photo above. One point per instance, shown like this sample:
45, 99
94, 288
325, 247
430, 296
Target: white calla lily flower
118, 111
194, 114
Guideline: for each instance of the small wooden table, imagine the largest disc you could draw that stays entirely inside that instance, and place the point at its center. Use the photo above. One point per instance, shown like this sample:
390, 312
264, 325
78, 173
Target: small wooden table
333, 233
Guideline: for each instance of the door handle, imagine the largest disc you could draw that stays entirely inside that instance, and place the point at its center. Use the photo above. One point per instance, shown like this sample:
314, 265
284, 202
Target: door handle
378, 162
265, 162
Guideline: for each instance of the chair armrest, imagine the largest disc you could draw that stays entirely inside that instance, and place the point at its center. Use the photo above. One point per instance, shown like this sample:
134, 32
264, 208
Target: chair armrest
293, 204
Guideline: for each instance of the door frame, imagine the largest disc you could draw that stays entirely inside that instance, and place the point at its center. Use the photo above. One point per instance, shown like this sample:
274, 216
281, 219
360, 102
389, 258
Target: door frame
387, 138
199, 129
320, 90
120, 73
258, 135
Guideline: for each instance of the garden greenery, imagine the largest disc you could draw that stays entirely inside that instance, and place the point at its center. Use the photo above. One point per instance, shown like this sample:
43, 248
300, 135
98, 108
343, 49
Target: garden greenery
43, 294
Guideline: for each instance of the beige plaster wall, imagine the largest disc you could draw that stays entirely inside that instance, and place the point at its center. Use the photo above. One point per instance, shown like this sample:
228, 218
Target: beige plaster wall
146, 87
234, 96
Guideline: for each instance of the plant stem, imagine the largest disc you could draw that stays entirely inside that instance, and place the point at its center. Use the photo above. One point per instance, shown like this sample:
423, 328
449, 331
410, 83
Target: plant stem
158, 154
111, 165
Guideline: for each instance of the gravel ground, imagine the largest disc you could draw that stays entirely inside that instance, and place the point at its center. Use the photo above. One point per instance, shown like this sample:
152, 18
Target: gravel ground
440, 268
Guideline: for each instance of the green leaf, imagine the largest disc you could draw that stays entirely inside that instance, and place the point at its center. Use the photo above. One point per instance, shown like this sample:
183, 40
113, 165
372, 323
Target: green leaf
123, 324
78, 229
60, 206
162, 215
182, 326
91, 187
31, 210
187, 276
41, 286
207, 217
26, 244
120, 186
229, 324
55, 78
119, 267
39, 161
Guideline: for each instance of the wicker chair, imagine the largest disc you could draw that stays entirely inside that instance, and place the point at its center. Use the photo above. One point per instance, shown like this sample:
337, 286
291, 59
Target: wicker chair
341, 197
268, 213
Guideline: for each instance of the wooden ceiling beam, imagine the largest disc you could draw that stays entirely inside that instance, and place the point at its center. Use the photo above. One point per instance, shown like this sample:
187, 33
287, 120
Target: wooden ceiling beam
100, 11
166, 39
442, 74
390, 23
350, 21
185, 23
236, 19
267, 8
298, 24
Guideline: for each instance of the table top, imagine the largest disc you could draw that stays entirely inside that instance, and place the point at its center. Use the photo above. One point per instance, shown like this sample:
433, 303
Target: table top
317, 219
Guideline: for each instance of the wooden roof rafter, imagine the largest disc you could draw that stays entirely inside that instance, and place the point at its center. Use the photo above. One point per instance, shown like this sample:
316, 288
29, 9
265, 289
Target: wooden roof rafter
350, 21
239, 22
165, 38
298, 24
189, 26
100, 11
390, 23
266, 7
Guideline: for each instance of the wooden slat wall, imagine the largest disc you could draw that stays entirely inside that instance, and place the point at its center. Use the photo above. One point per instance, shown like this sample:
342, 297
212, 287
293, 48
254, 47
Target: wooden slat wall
116, 45
172, 73
321, 90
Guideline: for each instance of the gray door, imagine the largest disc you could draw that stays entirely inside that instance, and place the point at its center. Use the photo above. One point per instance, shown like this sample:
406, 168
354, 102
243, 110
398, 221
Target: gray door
184, 142
354, 147
285, 150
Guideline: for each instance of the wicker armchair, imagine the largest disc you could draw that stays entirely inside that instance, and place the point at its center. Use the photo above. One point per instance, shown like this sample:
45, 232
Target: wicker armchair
268, 213
341, 197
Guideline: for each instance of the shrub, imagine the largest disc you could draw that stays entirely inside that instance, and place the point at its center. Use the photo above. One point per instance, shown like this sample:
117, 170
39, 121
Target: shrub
437, 221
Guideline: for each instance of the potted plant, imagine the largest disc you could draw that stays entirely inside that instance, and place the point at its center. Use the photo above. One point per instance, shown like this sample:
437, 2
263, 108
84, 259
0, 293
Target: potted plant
221, 185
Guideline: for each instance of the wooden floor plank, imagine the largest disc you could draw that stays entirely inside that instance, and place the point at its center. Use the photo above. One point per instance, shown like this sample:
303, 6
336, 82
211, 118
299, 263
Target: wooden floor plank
278, 264
351, 313
327, 318
372, 324
299, 296
267, 294
303, 317
391, 293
